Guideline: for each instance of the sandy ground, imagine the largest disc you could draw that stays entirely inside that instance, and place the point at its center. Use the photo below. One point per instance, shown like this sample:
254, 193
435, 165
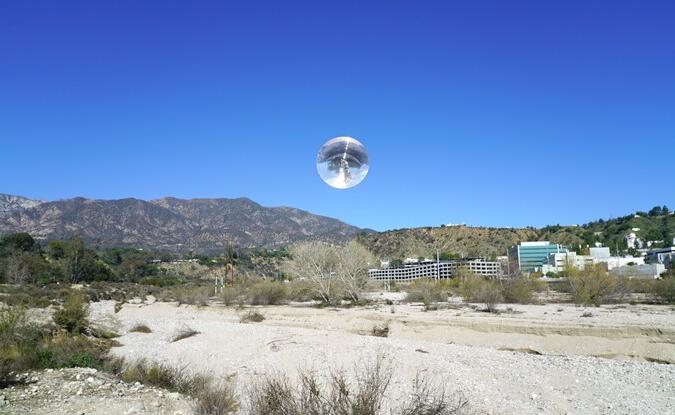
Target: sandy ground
529, 360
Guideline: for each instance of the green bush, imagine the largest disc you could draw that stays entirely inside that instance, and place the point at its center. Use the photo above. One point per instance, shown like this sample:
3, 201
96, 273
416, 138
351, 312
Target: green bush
591, 286
302, 291
664, 289
425, 291
73, 315
212, 398
267, 293
25, 346
64, 350
518, 290
198, 295
490, 294
470, 286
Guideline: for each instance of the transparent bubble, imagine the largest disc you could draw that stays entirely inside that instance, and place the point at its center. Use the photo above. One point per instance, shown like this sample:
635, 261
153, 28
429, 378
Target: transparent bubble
342, 162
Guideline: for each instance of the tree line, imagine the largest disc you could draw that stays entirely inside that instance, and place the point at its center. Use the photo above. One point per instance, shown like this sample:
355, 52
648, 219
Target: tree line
23, 260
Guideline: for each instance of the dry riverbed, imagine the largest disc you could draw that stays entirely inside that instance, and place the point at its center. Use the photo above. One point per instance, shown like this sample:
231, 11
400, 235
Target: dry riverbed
527, 360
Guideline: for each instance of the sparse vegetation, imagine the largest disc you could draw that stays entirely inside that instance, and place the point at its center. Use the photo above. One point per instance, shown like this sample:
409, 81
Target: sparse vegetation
427, 400
252, 316
73, 315
380, 330
212, 397
490, 294
425, 291
140, 328
267, 293
25, 345
275, 395
521, 290
664, 289
183, 333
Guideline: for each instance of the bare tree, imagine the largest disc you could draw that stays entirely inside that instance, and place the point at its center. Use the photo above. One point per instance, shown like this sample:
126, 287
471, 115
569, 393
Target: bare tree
16, 271
315, 262
353, 264
333, 270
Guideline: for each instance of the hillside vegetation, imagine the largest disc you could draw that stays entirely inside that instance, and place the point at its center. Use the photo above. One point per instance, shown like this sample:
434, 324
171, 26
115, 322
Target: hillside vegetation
656, 225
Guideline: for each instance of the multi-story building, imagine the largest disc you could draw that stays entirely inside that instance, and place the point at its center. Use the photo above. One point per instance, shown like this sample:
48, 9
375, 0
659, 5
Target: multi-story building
665, 256
531, 256
557, 262
438, 270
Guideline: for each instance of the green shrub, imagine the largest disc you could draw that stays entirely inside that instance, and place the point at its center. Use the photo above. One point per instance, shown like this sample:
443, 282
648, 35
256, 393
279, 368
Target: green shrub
64, 350
664, 289
469, 287
73, 315
33, 296
212, 398
301, 291
233, 295
267, 293
518, 290
490, 294
591, 286
17, 338
25, 346
425, 291
198, 295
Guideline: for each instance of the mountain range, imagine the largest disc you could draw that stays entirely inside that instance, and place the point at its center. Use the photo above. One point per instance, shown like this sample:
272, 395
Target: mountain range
207, 225
169, 224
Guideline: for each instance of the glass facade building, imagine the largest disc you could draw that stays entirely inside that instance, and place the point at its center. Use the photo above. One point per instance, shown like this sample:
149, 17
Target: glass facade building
530, 256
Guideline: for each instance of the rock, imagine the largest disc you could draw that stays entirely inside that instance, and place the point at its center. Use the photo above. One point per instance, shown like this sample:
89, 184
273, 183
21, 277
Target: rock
136, 408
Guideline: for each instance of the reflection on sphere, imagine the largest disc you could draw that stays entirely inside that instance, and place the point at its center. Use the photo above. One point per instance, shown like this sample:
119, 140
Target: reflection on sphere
342, 162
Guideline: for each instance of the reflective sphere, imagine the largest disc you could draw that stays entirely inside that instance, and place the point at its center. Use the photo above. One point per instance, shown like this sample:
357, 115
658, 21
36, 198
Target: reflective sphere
342, 162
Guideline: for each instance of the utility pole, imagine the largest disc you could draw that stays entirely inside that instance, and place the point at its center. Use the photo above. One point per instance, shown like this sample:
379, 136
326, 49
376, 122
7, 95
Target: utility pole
438, 265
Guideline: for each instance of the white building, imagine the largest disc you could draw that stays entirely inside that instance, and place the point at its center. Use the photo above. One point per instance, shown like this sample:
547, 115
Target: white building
632, 241
557, 261
599, 252
646, 271
438, 270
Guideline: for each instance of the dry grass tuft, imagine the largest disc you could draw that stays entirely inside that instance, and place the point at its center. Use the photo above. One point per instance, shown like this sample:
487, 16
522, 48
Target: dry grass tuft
184, 333
140, 328
380, 331
252, 316
211, 397
276, 395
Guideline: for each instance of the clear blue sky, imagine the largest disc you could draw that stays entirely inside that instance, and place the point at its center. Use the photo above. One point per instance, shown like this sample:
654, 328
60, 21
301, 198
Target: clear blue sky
500, 113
